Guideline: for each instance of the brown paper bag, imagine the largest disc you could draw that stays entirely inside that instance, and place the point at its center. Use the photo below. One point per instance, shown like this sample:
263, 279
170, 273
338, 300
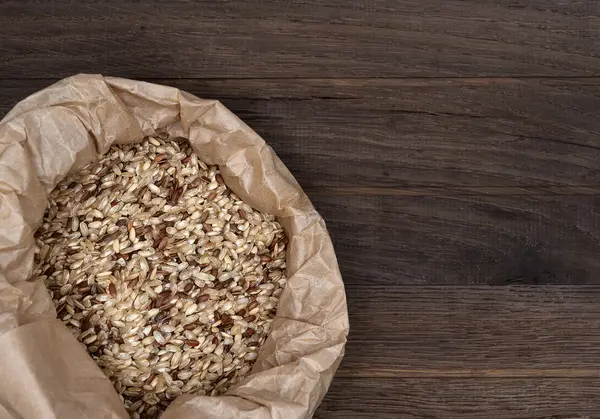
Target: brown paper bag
45, 371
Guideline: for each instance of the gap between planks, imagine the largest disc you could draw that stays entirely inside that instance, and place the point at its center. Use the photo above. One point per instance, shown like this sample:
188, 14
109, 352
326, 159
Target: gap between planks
416, 191
480, 79
370, 372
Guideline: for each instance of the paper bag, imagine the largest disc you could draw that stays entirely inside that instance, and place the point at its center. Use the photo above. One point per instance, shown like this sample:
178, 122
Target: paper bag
45, 371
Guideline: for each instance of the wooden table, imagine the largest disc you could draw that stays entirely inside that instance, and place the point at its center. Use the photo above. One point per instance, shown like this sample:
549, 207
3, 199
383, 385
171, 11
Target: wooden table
453, 147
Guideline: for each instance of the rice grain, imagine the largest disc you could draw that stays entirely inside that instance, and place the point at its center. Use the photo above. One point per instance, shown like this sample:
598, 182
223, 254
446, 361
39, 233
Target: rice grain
168, 278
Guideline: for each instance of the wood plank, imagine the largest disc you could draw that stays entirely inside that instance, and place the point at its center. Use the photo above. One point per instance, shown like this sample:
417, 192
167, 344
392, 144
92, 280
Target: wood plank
541, 239
461, 399
423, 137
333, 38
472, 331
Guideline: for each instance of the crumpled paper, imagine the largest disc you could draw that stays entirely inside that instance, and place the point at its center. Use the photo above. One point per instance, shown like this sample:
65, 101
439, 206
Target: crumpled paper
46, 372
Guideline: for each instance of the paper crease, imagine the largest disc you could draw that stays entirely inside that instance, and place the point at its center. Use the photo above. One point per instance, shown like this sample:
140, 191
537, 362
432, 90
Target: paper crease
46, 372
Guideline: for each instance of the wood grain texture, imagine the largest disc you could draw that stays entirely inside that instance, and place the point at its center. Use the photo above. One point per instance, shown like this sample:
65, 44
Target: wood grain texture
383, 38
462, 399
472, 331
540, 239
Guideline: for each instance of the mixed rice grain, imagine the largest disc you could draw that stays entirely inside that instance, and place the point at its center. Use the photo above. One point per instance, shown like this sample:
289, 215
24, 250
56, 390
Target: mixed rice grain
167, 277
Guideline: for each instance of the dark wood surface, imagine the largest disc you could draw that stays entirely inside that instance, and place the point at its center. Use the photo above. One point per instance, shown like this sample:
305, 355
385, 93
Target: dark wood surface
453, 148
300, 38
